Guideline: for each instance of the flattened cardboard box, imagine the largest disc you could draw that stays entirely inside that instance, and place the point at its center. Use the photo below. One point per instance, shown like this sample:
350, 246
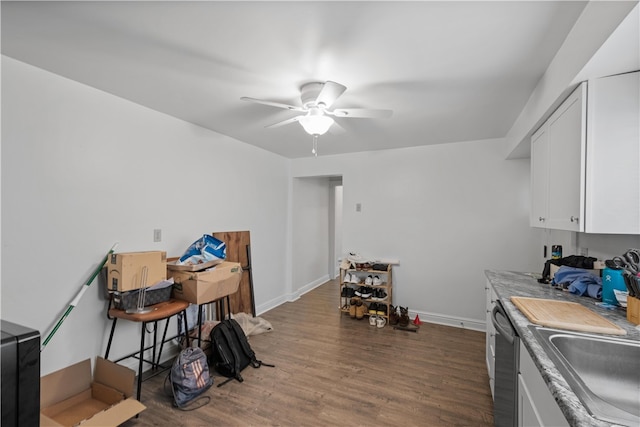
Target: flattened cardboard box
124, 270
71, 397
200, 287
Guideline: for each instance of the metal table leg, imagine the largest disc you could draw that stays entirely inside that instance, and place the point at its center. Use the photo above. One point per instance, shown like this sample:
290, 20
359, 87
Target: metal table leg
113, 328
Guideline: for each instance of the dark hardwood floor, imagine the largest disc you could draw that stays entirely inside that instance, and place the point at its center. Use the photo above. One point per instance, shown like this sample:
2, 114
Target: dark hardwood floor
332, 370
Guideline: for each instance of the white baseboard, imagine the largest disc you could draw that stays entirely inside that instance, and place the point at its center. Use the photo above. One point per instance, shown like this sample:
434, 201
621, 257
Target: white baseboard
294, 296
456, 322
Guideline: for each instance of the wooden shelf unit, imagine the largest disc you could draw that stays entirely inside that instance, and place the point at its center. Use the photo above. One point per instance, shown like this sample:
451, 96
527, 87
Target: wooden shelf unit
387, 286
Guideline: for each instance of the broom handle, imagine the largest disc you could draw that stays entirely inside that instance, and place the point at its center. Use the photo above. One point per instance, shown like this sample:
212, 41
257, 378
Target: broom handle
76, 300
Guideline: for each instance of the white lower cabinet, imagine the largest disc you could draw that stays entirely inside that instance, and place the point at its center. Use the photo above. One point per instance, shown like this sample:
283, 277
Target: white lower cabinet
536, 405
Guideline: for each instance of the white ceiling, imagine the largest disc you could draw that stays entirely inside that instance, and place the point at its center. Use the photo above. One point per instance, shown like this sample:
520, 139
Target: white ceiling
451, 71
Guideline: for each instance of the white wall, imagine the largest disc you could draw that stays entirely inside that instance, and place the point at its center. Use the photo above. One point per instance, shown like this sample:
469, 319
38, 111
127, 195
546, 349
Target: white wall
447, 212
589, 51
82, 169
310, 235
337, 217
600, 246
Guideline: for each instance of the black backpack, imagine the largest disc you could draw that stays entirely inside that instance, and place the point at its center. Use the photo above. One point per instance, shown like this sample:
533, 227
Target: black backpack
230, 351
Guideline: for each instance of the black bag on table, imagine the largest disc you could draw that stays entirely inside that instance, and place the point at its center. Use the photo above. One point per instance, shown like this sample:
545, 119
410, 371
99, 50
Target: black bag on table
230, 351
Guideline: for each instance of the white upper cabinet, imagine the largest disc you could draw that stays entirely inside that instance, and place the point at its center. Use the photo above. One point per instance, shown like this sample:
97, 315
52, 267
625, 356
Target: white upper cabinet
539, 178
566, 136
557, 166
585, 160
613, 155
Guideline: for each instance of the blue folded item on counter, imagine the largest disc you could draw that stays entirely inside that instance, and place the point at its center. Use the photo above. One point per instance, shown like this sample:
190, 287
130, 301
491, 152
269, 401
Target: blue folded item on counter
578, 281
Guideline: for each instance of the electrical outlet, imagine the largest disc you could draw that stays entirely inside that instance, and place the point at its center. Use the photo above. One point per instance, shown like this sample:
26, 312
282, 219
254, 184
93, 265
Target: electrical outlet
584, 251
358, 207
157, 235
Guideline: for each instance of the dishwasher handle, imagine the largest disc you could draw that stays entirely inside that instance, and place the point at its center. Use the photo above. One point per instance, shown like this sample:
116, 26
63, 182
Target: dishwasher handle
510, 334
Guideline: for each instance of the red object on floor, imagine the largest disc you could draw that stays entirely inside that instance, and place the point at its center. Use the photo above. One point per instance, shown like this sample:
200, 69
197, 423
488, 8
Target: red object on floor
417, 321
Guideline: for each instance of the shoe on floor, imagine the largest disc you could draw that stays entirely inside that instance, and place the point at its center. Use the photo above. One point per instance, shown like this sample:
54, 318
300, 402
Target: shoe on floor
372, 320
404, 316
394, 317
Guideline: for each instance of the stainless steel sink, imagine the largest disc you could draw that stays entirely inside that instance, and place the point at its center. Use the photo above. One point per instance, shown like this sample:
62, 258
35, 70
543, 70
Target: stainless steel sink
603, 372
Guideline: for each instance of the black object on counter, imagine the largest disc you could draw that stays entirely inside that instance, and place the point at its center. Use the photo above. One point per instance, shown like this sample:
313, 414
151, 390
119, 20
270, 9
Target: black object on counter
576, 261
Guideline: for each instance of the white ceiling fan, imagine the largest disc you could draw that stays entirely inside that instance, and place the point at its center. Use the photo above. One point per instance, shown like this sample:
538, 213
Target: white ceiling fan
317, 99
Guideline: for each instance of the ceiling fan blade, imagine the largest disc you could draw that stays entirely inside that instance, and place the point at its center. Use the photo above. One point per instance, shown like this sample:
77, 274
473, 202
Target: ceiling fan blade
285, 122
329, 93
272, 104
364, 113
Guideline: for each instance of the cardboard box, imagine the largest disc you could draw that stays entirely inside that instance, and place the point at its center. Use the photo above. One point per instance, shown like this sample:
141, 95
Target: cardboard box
200, 287
71, 397
124, 270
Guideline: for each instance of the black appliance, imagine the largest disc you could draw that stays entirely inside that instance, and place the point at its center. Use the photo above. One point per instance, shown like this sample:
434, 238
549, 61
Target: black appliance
505, 407
20, 356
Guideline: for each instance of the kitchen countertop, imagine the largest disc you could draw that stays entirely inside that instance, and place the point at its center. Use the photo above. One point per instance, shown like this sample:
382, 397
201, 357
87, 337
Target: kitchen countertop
507, 284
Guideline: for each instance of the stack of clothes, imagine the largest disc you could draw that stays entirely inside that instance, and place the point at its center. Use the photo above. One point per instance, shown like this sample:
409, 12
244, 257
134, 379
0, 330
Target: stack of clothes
573, 276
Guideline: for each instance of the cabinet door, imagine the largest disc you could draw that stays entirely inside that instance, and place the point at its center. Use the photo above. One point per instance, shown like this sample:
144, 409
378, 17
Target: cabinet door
566, 137
536, 405
527, 415
613, 158
539, 177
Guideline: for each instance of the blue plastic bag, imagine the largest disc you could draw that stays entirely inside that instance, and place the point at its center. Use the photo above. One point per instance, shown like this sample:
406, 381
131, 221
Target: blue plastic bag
203, 250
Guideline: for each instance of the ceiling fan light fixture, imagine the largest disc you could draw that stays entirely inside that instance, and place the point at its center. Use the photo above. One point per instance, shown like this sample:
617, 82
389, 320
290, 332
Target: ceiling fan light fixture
316, 124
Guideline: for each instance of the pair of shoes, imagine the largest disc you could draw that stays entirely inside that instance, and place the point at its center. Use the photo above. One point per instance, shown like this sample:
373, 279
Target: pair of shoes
404, 316
361, 308
351, 278
377, 309
394, 317
372, 280
378, 294
347, 292
378, 321
364, 292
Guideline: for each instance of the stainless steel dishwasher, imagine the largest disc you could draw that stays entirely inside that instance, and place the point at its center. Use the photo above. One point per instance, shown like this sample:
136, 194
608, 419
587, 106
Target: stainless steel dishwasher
505, 406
